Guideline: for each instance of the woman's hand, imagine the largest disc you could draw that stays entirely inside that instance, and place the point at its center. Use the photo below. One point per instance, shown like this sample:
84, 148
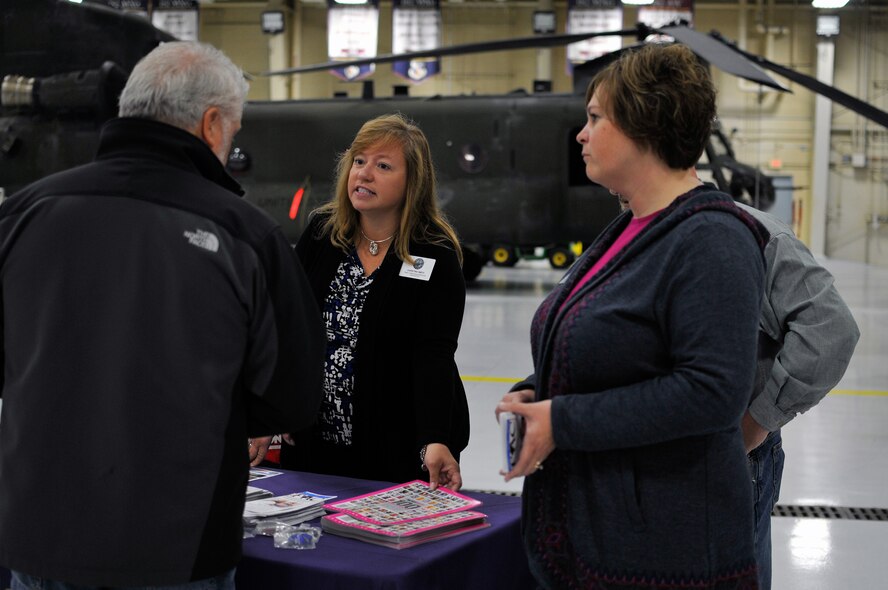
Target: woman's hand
538, 439
522, 396
258, 447
443, 468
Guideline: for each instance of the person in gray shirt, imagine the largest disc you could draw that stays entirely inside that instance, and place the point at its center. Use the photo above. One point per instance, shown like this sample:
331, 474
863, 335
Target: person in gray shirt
806, 338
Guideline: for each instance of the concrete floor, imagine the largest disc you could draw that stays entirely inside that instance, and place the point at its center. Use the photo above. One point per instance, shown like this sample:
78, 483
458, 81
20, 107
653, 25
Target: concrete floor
835, 453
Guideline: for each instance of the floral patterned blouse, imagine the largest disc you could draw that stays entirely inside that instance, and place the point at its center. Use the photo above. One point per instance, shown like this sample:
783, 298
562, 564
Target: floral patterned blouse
342, 315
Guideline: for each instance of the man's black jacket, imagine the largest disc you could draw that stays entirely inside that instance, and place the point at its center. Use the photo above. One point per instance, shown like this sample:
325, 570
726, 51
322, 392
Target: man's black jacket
152, 321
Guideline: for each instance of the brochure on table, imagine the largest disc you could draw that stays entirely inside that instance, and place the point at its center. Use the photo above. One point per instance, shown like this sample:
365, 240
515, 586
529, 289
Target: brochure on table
290, 508
404, 515
407, 534
402, 503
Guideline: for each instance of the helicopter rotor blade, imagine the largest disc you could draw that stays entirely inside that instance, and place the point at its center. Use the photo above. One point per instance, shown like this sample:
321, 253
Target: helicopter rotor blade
721, 57
813, 84
535, 42
707, 47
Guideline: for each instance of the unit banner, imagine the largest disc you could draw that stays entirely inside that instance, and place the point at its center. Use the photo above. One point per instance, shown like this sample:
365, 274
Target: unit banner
593, 16
416, 26
139, 7
179, 18
667, 12
352, 32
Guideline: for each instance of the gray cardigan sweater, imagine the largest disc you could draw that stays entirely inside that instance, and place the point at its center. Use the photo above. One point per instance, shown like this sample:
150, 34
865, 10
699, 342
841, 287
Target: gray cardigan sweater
649, 367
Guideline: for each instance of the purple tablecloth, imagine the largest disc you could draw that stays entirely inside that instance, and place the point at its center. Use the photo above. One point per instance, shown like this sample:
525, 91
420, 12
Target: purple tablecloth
487, 559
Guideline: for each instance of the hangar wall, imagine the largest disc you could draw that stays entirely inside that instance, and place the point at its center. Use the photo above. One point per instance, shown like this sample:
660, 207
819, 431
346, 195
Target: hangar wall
770, 130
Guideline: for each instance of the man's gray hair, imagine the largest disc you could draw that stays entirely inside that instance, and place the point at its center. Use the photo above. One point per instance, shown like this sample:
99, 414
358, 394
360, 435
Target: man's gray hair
178, 81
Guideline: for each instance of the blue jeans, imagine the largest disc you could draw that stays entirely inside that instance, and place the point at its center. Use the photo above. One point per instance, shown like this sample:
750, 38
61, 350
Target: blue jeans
766, 469
22, 581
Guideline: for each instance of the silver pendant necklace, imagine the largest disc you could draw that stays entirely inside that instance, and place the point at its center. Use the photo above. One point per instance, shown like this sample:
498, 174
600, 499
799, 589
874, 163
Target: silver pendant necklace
374, 244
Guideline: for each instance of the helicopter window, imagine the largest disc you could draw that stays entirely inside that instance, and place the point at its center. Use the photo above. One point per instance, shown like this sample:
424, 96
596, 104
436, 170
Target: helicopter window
472, 158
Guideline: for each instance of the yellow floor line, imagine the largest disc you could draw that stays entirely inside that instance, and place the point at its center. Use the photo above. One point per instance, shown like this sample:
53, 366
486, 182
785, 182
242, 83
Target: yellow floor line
861, 392
489, 379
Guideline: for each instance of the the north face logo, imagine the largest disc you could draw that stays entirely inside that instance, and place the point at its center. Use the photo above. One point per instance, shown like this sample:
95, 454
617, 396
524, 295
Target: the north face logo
203, 239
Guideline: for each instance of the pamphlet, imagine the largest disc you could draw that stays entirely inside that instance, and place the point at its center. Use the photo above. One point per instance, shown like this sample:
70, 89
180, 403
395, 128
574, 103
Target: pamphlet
289, 509
256, 473
256, 493
406, 534
511, 436
403, 503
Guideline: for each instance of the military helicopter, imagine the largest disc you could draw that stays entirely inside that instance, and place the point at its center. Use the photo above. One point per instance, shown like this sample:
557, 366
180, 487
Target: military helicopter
511, 178
512, 158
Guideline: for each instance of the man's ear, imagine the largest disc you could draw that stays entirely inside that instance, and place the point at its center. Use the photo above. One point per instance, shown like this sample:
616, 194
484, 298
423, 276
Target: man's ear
212, 128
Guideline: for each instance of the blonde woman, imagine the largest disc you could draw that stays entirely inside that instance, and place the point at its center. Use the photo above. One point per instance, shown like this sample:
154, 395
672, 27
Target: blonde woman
385, 268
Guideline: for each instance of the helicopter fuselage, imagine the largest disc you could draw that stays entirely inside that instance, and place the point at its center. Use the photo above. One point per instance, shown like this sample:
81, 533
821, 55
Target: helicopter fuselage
509, 169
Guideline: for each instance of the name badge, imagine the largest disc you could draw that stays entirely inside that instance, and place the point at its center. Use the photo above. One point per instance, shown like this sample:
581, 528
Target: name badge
421, 268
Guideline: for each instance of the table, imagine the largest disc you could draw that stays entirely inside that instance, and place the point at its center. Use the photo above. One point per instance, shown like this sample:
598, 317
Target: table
487, 559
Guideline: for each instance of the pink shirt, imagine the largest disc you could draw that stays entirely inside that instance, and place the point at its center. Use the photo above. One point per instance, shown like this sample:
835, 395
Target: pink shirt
633, 229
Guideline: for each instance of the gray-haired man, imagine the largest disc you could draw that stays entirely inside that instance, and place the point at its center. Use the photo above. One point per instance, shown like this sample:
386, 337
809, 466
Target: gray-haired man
152, 321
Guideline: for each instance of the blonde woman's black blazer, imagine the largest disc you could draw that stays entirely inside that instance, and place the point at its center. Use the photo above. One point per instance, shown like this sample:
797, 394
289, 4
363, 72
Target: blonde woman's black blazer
407, 391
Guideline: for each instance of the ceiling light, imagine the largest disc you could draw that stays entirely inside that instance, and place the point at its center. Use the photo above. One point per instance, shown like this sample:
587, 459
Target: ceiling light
829, 3
637, 2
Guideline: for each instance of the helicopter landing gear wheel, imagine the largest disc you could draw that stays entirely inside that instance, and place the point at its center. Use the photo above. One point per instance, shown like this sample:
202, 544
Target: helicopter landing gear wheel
503, 255
560, 257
